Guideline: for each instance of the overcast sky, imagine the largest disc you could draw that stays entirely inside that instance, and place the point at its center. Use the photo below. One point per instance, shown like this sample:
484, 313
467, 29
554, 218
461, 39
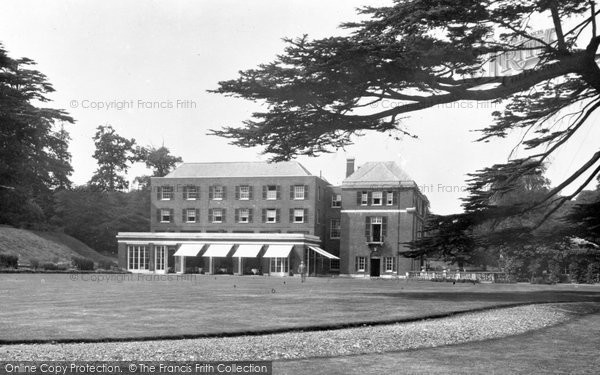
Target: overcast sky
133, 54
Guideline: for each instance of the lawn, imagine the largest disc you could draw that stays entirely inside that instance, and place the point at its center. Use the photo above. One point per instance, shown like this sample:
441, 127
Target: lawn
569, 348
45, 246
37, 307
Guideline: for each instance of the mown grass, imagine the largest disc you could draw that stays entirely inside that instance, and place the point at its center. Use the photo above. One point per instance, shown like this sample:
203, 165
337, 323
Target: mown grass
55, 307
44, 246
569, 348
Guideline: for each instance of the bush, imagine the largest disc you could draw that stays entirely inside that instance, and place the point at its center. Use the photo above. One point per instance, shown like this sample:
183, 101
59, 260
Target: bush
8, 260
48, 266
578, 271
556, 278
83, 264
541, 280
34, 263
62, 267
593, 273
106, 265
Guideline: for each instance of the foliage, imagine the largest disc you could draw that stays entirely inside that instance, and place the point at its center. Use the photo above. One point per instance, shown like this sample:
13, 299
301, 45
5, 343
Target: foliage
35, 263
9, 260
417, 54
106, 265
585, 216
159, 160
33, 144
577, 271
82, 264
113, 154
95, 217
592, 275
49, 266
478, 236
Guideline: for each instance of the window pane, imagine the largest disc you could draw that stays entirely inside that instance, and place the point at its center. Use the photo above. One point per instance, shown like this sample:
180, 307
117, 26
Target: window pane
298, 215
335, 228
244, 215
299, 192
218, 192
272, 192
336, 200
167, 192
191, 215
377, 198
364, 199
217, 215
244, 192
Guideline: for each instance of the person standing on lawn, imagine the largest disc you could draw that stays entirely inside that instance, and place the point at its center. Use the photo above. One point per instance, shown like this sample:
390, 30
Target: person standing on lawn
302, 271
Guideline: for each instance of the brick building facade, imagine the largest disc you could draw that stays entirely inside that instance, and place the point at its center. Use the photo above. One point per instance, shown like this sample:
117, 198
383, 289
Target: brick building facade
231, 218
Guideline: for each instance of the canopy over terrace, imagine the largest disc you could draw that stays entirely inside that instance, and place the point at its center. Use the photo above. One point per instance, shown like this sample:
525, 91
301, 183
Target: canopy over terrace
245, 246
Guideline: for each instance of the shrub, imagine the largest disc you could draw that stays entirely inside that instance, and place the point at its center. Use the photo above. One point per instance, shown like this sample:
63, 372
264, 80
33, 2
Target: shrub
34, 263
541, 280
62, 266
556, 278
577, 270
106, 265
49, 266
83, 264
8, 260
593, 273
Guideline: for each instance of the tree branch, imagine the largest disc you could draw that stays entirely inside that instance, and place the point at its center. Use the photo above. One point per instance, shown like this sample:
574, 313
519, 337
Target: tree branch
560, 38
562, 200
567, 182
510, 85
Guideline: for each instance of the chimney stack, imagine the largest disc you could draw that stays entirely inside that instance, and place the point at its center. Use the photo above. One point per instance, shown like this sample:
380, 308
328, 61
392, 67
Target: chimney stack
349, 167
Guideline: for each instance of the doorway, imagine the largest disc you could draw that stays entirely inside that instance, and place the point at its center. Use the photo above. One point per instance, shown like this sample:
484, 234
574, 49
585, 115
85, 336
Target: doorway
375, 267
160, 259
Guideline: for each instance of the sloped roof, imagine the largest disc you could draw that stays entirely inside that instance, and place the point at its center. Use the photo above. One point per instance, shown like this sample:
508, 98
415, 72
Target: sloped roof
240, 169
378, 172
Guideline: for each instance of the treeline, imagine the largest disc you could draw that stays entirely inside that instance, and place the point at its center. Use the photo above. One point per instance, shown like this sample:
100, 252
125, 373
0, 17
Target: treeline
557, 241
35, 167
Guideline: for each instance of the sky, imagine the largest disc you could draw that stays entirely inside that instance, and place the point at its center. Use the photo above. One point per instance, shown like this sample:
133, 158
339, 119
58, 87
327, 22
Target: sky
145, 67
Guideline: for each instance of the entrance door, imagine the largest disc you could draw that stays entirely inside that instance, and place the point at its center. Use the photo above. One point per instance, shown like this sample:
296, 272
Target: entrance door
160, 259
280, 266
170, 266
375, 265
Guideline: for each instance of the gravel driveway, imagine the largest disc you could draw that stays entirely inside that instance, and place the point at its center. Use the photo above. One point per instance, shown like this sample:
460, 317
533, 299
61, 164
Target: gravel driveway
377, 339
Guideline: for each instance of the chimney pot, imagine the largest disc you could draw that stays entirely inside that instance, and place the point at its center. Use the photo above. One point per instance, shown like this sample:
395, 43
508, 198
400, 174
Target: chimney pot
349, 167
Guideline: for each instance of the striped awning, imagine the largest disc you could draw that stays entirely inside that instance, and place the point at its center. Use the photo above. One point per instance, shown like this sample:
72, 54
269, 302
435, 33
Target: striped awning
247, 251
189, 249
318, 250
278, 251
218, 250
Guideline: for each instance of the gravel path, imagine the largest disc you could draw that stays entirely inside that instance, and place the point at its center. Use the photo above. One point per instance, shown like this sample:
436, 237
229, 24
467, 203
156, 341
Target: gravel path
377, 339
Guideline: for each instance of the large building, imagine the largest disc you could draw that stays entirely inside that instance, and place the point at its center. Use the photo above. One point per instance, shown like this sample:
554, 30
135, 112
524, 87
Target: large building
382, 209
261, 218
